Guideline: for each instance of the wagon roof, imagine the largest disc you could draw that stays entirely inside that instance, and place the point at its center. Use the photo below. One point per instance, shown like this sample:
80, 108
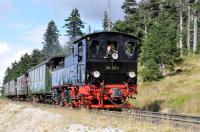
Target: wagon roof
105, 32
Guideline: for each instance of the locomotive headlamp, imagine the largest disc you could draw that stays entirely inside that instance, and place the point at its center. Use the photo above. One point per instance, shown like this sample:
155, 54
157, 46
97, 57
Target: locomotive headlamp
115, 56
131, 74
96, 74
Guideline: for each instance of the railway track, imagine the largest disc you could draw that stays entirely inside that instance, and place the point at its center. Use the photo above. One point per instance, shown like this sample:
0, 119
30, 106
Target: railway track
189, 122
176, 120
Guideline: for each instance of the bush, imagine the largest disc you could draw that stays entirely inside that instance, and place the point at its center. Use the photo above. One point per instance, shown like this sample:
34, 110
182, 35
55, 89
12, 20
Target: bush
151, 71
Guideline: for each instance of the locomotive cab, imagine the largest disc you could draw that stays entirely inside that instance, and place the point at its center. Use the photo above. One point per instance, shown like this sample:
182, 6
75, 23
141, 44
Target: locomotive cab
112, 58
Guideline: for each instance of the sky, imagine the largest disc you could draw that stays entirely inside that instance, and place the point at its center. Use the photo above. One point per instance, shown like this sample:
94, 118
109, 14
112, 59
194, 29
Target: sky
23, 23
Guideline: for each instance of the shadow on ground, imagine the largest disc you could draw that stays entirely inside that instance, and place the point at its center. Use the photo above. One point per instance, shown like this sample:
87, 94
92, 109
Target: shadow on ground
154, 106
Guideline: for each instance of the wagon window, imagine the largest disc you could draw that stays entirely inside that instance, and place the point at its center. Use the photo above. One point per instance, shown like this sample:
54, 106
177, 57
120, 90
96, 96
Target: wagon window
130, 48
34, 72
20, 82
43, 72
71, 50
80, 52
39, 74
36, 75
30, 77
94, 47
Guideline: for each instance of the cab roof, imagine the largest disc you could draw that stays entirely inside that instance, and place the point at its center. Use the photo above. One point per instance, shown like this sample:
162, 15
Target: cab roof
105, 32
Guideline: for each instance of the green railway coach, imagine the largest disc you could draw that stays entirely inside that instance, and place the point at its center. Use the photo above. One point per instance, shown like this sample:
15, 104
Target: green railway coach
6, 92
22, 88
39, 79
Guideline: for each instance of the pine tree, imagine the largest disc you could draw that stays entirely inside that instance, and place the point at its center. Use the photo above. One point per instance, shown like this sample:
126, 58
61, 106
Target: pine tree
51, 45
36, 57
151, 71
120, 26
74, 24
139, 17
106, 22
7, 76
159, 45
89, 29
24, 64
129, 6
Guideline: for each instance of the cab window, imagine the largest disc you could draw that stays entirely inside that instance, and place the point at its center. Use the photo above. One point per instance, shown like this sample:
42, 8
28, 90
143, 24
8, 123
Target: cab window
130, 48
94, 47
112, 44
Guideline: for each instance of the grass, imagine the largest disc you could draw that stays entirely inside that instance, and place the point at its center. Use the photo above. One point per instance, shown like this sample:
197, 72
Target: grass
84, 117
179, 92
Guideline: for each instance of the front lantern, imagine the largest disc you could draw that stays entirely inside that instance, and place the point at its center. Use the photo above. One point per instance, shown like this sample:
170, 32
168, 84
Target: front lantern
131, 74
115, 56
96, 74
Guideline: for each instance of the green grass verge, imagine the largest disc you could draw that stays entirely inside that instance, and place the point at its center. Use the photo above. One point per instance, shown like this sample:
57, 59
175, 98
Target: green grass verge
178, 92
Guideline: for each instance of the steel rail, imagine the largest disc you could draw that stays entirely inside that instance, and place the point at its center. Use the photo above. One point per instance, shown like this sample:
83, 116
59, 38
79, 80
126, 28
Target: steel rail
177, 120
167, 116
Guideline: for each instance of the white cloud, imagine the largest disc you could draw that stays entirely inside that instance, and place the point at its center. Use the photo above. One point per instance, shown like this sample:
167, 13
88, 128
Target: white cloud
90, 10
4, 48
8, 55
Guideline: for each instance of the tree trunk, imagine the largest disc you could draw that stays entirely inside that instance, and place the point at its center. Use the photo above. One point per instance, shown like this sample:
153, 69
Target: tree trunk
145, 29
188, 29
195, 31
181, 30
163, 69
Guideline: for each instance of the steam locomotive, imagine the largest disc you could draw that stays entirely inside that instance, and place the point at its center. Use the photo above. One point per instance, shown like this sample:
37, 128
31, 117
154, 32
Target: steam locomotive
100, 71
